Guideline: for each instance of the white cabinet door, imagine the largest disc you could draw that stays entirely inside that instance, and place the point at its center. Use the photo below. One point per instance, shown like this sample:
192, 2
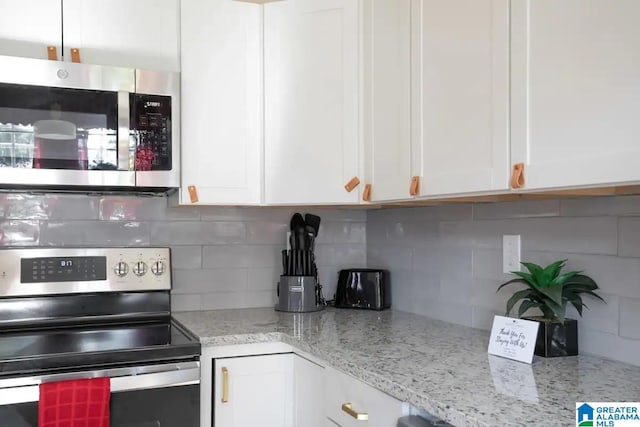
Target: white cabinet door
126, 33
387, 79
460, 88
381, 409
308, 392
221, 101
259, 391
575, 91
27, 27
311, 101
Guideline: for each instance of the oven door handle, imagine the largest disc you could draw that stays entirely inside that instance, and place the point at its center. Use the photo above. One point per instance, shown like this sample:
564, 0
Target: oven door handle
131, 382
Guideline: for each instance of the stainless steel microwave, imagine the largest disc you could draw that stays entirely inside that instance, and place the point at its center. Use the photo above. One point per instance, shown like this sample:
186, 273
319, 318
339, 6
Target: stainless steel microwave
70, 125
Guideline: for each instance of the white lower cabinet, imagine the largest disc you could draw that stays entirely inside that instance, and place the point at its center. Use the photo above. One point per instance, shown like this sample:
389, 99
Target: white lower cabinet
276, 390
267, 385
254, 391
350, 402
308, 392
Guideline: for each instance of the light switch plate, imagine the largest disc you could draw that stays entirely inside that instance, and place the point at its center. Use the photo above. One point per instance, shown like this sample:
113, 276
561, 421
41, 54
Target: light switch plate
510, 253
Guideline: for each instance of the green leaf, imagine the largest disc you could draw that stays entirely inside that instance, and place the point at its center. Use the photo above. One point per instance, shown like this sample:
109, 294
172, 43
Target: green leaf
510, 282
576, 301
534, 269
517, 297
526, 277
593, 294
555, 310
547, 312
554, 293
581, 279
551, 271
562, 278
574, 289
526, 305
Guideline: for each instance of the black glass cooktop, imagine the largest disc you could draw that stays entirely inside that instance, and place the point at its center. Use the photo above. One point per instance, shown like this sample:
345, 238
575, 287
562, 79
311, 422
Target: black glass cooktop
94, 346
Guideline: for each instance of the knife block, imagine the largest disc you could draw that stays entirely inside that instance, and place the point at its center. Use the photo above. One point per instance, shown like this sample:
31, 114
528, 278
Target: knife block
298, 294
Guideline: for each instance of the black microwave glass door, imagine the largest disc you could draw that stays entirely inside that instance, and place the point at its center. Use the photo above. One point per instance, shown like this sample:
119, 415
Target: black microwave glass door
163, 407
150, 117
58, 128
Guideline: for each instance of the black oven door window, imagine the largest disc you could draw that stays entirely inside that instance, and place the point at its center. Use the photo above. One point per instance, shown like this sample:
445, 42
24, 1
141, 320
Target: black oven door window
163, 407
57, 128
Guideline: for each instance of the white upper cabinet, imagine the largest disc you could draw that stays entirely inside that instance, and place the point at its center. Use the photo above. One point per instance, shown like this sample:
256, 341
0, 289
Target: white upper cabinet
312, 146
460, 95
386, 97
126, 33
221, 102
576, 91
27, 27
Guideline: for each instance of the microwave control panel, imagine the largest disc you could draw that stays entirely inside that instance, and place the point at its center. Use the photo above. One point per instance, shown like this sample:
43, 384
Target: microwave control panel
151, 127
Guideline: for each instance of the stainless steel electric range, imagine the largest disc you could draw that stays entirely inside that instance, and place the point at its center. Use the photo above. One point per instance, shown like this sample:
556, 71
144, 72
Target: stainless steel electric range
71, 313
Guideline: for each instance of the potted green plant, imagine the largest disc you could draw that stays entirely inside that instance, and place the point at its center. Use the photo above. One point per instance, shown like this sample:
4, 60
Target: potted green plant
550, 290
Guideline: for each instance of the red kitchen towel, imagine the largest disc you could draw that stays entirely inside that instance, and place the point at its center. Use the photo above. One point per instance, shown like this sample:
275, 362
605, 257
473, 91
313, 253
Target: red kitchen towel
77, 403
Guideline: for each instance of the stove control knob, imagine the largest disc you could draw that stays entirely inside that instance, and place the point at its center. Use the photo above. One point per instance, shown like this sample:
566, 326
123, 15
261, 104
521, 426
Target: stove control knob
121, 269
157, 268
139, 268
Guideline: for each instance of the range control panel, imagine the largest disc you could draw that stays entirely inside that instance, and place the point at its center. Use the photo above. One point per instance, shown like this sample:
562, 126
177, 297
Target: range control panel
44, 271
63, 269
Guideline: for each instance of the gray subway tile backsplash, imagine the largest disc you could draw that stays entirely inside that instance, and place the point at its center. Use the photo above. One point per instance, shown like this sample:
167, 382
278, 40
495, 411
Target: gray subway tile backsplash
520, 209
445, 261
630, 318
629, 237
452, 270
223, 257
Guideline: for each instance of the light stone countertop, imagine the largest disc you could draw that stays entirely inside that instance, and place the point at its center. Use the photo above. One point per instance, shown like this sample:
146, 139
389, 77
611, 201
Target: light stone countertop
439, 367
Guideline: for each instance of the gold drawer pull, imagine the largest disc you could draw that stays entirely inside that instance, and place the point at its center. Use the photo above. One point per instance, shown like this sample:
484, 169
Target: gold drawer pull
348, 408
225, 385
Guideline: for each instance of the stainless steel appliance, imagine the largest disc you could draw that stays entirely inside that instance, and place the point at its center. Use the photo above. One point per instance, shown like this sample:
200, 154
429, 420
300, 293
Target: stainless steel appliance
71, 313
363, 288
69, 125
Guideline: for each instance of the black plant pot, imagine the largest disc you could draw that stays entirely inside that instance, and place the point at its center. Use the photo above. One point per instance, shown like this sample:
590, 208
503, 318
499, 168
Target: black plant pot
556, 339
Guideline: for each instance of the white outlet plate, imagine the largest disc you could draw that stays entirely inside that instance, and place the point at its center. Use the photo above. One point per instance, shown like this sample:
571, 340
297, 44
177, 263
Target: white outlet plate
510, 253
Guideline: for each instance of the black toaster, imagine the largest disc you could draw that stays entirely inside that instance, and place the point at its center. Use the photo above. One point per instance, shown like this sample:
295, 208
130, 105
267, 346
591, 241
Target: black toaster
363, 288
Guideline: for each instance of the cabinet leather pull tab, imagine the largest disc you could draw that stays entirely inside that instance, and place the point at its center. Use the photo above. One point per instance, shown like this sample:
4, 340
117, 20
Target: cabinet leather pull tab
52, 53
517, 176
75, 54
353, 183
193, 193
366, 195
414, 189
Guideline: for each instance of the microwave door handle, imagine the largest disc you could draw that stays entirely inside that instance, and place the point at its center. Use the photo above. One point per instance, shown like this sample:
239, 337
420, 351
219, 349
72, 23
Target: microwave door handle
123, 131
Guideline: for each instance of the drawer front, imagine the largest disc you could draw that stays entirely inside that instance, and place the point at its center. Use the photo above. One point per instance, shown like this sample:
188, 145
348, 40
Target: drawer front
347, 397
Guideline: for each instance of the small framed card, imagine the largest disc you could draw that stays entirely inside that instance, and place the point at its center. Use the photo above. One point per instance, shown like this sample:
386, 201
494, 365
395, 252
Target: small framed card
513, 338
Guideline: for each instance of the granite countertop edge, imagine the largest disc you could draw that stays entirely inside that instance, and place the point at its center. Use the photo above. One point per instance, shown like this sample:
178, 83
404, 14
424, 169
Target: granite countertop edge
438, 367
379, 382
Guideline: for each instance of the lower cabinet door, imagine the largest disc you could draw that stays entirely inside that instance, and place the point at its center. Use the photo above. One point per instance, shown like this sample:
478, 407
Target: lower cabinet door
308, 393
352, 403
253, 391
